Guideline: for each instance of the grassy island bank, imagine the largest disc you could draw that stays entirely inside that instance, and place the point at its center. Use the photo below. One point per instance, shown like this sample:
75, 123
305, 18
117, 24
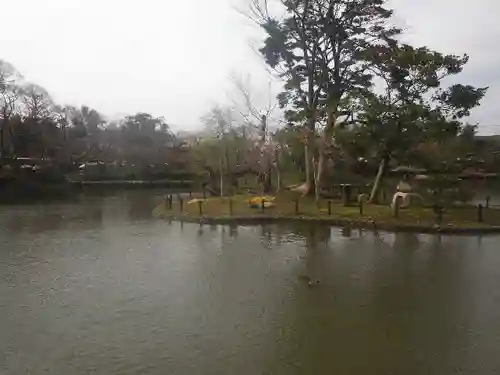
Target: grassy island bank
248, 209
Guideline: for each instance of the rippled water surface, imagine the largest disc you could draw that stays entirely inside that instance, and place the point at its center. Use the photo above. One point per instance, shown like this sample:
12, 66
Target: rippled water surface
97, 286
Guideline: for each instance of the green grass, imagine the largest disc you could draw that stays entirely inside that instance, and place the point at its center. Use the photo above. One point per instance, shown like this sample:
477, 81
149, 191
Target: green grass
415, 218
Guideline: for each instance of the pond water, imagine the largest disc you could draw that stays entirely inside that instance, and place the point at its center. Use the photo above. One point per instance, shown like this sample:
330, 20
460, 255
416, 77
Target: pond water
97, 286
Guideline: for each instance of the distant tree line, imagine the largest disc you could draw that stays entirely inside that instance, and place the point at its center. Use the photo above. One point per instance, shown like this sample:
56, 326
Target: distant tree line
33, 125
354, 98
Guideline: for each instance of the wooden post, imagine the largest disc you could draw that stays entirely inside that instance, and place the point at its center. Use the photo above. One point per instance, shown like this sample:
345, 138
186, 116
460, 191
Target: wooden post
480, 213
190, 194
395, 211
488, 198
346, 194
329, 208
262, 205
230, 207
440, 212
166, 202
361, 205
181, 204
170, 199
296, 206
200, 207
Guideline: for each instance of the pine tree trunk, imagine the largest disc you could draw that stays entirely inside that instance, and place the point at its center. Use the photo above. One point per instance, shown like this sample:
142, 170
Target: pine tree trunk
308, 186
382, 168
309, 172
325, 143
319, 176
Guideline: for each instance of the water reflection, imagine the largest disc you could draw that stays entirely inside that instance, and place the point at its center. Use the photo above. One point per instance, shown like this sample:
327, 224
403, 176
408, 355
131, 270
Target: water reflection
233, 231
346, 232
100, 284
389, 319
52, 218
85, 213
139, 205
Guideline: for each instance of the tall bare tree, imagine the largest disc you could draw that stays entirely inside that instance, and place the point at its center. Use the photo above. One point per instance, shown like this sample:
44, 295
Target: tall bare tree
37, 101
260, 113
9, 97
220, 124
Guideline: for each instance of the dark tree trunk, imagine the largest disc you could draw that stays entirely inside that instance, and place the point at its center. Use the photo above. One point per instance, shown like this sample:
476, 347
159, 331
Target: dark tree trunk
382, 170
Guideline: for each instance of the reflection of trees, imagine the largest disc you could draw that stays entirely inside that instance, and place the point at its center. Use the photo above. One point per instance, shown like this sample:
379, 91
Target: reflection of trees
266, 236
309, 231
140, 205
278, 234
78, 217
405, 242
346, 232
399, 306
316, 239
415, 301
233, 231
309, 339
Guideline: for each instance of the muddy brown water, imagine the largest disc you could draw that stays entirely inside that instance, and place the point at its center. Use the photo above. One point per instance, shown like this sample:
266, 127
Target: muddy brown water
97, 286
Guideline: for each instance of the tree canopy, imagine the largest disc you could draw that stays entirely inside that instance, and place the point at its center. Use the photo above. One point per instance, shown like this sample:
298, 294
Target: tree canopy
32, 124
344, 66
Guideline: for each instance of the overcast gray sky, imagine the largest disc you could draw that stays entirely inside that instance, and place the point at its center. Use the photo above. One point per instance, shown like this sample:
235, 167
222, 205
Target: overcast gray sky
174, 57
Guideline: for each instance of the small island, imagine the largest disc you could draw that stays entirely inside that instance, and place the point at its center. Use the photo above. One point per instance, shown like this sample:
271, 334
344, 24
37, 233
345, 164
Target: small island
287, 206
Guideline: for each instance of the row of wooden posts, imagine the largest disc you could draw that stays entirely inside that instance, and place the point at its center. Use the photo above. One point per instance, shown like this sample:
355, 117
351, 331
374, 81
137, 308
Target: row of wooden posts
169, 204
438, 210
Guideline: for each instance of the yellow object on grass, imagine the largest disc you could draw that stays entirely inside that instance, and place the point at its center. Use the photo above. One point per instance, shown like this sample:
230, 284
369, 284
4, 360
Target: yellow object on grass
256, 202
